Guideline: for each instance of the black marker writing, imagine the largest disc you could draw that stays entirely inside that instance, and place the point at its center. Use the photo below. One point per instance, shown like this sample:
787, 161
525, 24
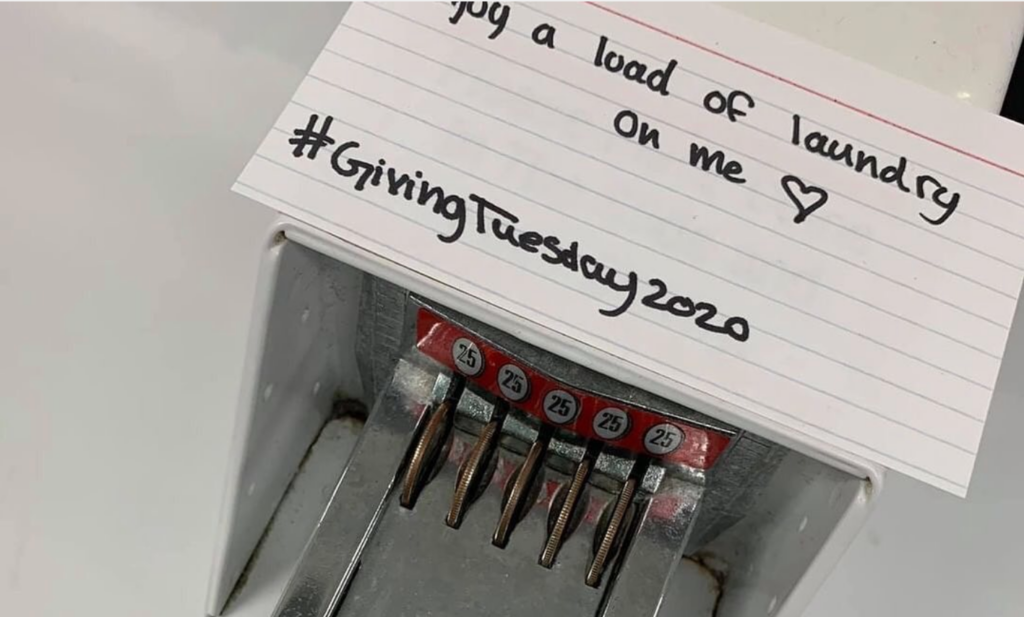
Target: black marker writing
451, 207
681, 306
311, 137
716, 103
730, 170
806, 198
733, 104
628, 125
495, 12
633, 70
503, 227
924, 186
495, 222
544, 34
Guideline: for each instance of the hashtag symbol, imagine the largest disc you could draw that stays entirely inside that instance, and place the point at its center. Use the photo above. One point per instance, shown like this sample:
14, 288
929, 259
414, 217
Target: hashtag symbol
311, 137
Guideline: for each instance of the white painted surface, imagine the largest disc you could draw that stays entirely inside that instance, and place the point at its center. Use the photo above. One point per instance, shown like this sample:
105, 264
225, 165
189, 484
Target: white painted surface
127, 276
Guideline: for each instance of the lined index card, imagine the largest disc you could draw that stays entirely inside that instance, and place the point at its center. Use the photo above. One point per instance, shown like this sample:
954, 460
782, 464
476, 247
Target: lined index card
830, 250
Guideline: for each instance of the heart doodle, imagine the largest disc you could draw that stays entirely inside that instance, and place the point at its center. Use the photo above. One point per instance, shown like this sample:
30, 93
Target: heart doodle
803, 211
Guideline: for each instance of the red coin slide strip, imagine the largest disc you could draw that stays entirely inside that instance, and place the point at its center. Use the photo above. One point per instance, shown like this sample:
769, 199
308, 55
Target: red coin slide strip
503, 375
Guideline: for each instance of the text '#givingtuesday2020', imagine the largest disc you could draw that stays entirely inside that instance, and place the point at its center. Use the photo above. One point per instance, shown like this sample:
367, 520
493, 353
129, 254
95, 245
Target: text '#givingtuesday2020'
553, 250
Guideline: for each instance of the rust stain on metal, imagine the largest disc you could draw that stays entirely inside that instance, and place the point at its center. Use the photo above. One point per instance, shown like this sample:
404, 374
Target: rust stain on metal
706, 560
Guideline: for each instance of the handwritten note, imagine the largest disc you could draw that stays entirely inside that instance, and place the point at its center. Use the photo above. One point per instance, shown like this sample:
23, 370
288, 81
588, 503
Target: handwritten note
824, 248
